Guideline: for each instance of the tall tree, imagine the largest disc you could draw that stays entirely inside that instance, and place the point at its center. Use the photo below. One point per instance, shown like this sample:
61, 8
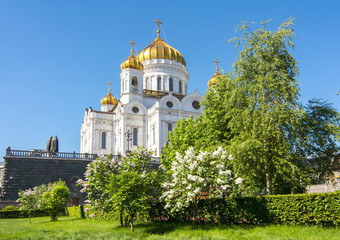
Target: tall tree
322, 131
260, 109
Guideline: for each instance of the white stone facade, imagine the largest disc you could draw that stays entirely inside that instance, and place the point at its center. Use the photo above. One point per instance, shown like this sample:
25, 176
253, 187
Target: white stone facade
152, 101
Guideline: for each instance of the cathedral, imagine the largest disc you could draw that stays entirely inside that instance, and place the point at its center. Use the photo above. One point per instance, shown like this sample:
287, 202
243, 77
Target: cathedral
153, 97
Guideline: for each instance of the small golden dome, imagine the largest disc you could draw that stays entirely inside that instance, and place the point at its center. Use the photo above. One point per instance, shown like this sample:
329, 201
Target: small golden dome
158, 49
109, 98
216, 76
132, 61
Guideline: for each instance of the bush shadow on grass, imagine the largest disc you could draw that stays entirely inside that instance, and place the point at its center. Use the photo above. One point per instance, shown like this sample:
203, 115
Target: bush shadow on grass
162, 228
59, 220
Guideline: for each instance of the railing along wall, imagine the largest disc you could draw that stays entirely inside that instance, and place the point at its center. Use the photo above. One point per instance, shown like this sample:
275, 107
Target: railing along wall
46, 154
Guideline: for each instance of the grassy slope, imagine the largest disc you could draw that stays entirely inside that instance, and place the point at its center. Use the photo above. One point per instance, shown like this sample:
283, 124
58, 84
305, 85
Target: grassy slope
67, 228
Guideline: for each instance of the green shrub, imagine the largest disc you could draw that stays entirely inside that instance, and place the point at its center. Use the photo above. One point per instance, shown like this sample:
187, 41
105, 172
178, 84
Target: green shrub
76, 212
10, 208
24, 213
315, 209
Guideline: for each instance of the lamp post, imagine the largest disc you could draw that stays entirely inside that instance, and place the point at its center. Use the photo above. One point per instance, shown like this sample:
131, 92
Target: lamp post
128, 136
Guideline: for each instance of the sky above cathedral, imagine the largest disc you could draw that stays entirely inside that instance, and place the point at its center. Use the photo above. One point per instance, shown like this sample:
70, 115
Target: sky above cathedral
56, 57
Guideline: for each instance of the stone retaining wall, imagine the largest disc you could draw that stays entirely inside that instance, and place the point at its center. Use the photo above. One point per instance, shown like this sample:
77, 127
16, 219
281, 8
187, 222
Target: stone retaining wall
20, 173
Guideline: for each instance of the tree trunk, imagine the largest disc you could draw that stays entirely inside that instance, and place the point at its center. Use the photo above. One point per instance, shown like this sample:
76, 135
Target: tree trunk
121, 218
132, 225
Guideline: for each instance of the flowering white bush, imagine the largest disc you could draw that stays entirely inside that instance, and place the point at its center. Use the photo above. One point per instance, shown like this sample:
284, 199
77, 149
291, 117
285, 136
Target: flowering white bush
123, 185
194, 176
96, 180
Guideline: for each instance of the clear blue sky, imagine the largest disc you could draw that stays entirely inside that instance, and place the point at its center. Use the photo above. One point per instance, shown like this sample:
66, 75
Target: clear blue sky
56, 57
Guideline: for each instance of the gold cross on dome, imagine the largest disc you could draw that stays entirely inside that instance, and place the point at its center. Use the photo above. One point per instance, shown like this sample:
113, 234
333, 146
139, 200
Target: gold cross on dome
109, 84
216, 62
158, 21
132, 46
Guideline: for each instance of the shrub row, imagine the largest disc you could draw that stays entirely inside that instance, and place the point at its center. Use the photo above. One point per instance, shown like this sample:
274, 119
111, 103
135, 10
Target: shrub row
24, 213
76, 212
316, 209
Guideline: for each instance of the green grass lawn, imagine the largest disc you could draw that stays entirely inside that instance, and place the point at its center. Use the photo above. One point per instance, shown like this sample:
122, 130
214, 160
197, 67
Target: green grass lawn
68, 228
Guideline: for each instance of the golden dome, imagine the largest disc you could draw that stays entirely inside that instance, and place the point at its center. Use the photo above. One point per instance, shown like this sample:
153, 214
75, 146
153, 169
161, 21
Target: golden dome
132, 61
214, 78
109, 98
158, 49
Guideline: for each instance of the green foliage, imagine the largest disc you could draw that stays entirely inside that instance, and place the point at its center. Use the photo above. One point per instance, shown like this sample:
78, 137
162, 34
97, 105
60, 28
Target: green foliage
123, 186
51, 196
186, 134
321, 128
76, 212
56, 198
24, 213
32, 198
315, 209
262, 109
10, 208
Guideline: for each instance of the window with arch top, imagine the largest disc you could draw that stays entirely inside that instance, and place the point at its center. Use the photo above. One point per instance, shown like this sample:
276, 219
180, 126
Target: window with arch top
103, 142
134, 82
180, 87
171, 84
135, 136
159, 82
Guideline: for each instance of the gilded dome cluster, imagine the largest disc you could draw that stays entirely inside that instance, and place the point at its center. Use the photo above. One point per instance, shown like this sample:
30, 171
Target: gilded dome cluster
158, 49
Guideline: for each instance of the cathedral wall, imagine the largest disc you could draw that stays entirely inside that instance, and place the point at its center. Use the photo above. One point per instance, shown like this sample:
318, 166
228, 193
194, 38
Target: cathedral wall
22, 173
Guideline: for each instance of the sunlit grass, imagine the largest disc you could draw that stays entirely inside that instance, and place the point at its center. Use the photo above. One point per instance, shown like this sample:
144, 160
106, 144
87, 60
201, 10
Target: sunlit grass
68, 228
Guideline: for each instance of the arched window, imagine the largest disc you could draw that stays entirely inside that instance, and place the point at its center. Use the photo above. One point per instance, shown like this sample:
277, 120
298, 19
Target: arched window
171, 85
147, 83
134, 82
180, 86
159, 82
135, 136
126, 84
169, 127
103, 145
153, 134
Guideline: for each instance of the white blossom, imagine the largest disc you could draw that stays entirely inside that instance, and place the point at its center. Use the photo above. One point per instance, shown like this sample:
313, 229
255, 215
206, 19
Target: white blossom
238, 181
219, 181
197, 191
224, 173
220, 166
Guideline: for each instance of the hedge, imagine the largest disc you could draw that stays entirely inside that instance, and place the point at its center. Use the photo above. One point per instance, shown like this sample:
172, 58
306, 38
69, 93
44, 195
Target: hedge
76, 212
316, 209
24, 213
